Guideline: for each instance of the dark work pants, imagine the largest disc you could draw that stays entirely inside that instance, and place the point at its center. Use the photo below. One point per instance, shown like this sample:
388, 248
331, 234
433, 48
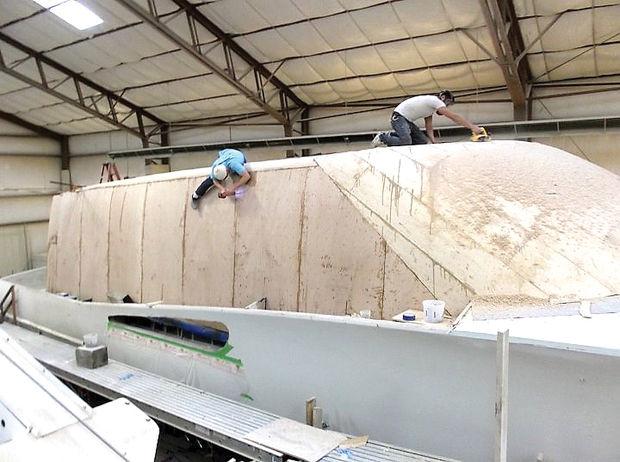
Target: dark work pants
405, 132
204, 186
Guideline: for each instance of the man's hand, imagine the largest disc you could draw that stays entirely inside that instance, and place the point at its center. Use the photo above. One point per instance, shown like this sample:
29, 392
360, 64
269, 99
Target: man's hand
228, 192
223, 194
219, 186
476, 129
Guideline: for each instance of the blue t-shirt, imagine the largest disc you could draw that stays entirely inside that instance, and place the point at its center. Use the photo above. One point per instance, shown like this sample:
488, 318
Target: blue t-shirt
232, 159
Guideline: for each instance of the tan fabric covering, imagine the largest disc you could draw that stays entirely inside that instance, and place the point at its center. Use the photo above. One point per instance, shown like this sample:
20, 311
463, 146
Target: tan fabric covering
94, 244
125, 251
380, 229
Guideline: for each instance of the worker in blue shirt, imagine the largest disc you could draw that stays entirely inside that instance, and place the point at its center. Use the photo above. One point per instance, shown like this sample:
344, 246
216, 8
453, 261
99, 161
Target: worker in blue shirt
228, 161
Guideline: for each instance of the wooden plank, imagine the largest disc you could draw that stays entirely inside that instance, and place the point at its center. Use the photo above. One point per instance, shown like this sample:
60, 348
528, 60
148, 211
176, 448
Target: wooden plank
501, 401
208, 259
94, 244
342, 255
162, 244
68, 243
296, 439
125, 252
310, 402
268, 233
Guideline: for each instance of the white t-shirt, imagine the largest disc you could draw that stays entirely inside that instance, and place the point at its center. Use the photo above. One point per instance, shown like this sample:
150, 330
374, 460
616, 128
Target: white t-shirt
419, 107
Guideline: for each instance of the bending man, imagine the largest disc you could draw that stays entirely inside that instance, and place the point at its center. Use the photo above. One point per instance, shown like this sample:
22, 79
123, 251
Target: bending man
406, 113
228, 161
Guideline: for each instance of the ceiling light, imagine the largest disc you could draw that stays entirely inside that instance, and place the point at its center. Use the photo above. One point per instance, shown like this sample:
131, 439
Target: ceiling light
76, 14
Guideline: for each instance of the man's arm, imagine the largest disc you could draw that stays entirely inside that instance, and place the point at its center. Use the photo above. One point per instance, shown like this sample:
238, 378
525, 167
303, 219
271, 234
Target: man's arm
218, 185
428, 123
444, 111
243, 179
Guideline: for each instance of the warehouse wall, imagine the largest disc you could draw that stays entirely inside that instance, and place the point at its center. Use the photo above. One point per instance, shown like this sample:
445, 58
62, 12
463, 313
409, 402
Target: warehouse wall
601, 149
28, 163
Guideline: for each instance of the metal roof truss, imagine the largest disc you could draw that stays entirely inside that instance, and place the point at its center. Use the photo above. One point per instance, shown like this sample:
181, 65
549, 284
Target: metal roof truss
54, 79
222, 56
503, 26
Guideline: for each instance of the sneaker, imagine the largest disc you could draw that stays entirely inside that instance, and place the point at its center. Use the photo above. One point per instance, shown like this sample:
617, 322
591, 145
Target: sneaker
377, 141
195, 202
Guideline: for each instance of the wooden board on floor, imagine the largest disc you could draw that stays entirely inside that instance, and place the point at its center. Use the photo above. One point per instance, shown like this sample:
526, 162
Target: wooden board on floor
298, 440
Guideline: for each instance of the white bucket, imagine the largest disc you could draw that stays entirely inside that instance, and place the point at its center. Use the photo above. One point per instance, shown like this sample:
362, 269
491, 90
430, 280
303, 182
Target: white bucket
433, 310
90, 340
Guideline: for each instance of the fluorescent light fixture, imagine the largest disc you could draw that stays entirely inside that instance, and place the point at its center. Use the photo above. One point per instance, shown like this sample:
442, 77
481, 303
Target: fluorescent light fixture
48, 3
76, 14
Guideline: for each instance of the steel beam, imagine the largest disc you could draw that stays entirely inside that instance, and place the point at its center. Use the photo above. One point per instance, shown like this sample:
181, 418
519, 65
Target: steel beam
108, 112
194, 23
38, 129
65, 155
503, 26
228, 43
305, 129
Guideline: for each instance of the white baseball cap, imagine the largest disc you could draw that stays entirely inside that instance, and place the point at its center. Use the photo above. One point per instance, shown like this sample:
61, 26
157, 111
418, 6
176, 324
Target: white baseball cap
219, 172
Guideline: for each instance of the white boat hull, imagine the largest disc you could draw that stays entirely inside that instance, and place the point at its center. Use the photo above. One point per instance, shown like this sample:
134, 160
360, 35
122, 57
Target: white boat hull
429, 390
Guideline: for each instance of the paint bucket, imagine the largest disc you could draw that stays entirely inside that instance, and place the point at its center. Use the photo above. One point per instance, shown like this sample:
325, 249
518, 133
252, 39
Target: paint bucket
409, 315
433, 310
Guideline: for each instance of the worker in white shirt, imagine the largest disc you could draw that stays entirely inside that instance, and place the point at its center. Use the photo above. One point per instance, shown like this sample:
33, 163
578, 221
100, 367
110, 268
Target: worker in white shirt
406, 132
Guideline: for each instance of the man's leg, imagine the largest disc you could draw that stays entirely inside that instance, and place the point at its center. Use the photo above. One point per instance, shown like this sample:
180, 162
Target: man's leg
200, 191
203, 188
417, 137
402, 137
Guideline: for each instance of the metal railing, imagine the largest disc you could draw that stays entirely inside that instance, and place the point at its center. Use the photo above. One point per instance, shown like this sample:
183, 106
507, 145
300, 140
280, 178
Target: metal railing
498, 130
